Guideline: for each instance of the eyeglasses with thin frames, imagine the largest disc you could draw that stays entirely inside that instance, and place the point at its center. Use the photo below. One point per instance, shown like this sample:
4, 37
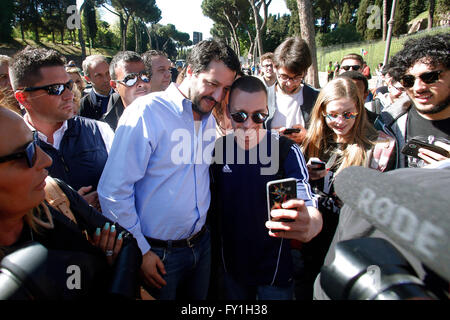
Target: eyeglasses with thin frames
285, 78
29, 153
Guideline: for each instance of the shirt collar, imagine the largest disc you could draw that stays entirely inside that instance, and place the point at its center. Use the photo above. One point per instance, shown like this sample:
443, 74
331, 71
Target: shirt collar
43, 137
180, 102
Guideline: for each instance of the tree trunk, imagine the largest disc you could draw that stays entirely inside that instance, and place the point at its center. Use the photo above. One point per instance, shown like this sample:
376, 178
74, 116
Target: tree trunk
137, 47
22, 33
124, 33
233, 32
431, 14
82, 44
308, 34
385, 19
80, 35
258, 40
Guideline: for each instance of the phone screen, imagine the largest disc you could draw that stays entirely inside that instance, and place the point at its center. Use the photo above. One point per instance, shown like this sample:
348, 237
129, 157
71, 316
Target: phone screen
280, 191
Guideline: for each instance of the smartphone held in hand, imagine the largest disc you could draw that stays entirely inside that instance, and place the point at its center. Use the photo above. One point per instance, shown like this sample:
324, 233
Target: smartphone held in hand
279, 191
412, 147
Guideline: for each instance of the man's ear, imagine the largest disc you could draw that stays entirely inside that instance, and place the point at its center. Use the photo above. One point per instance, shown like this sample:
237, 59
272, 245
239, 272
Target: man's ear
113, 85
22, 97
189, 71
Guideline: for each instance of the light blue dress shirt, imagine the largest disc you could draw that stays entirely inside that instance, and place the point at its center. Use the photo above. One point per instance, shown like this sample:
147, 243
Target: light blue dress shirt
156, 180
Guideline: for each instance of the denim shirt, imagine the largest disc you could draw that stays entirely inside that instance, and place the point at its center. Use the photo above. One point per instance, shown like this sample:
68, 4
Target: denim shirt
156, 179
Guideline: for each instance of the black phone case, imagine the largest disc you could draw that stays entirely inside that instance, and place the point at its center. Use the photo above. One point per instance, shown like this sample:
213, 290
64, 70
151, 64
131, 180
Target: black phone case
291, 130
412, 147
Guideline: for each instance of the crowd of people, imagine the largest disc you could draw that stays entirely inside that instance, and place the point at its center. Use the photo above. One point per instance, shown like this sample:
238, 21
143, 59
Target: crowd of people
165, 173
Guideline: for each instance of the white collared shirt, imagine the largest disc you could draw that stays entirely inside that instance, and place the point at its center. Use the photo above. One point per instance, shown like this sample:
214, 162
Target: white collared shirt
105, 131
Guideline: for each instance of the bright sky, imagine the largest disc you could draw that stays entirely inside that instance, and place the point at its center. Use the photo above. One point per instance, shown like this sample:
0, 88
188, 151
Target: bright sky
187, 15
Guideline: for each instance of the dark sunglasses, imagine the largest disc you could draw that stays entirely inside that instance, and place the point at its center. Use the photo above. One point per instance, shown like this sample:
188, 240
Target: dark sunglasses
408, 80
355, 67
132, 78
242, 116
29, 153
53, 89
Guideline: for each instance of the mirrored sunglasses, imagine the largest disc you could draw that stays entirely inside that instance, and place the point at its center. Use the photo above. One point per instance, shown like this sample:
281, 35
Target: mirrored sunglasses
132, 78
242, 116
56, 89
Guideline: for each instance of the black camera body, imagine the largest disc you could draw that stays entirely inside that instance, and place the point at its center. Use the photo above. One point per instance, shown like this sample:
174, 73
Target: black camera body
371, 269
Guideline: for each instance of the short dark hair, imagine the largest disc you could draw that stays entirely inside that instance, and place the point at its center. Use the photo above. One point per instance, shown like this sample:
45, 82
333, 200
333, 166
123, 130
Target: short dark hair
26, 64
122, 56
432, 50
355, 75
294, 55
248, 84
209, 50
353, 56
147, 57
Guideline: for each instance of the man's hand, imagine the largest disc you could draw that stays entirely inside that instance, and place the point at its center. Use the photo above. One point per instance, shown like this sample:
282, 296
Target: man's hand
306, 225
296, 137
431, 157
90, 197
151, 268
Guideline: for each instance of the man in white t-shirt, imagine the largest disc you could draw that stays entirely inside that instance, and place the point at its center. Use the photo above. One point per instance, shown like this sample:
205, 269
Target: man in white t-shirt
291, 101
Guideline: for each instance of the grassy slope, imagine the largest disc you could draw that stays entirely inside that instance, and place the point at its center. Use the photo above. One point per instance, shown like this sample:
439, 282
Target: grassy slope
375, 50
71, 52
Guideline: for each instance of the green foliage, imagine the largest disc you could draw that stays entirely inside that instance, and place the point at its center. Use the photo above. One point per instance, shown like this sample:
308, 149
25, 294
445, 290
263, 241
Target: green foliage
6, 20
416, 7
401, 17
362, 15
346, 15
90, 20
106, 37
342, 34
276, 30
294, 23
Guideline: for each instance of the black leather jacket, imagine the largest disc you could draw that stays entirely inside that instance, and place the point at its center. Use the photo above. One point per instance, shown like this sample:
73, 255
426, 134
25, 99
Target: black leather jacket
75, 269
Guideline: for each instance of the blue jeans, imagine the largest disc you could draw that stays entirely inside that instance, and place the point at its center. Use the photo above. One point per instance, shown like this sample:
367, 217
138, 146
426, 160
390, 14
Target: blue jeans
188, 271
238, 291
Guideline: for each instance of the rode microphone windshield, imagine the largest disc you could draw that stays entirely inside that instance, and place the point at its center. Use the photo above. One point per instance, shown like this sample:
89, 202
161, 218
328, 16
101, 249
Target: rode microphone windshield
411, 206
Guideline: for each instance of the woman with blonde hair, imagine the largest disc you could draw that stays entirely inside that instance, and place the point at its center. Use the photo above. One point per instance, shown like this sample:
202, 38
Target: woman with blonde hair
339, 129
75, 234
339, 136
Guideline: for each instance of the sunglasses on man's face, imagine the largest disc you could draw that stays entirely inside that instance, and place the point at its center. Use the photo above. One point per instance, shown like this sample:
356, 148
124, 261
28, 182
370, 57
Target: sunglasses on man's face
29, 153
242, 116
408, 80
53, 89
132, 78
355, 67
